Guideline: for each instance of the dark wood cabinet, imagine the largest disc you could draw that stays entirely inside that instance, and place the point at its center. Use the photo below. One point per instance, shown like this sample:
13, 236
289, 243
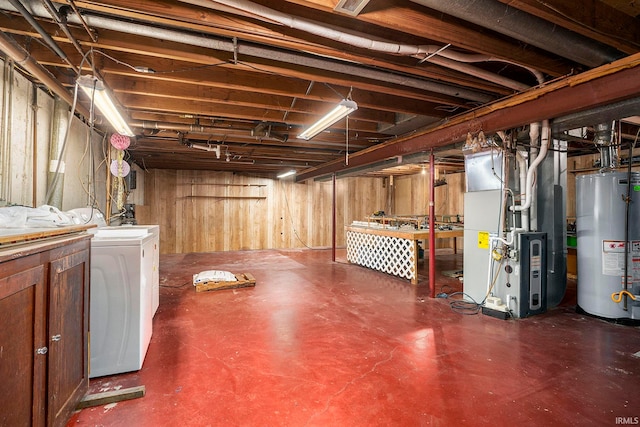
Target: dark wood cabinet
44, 303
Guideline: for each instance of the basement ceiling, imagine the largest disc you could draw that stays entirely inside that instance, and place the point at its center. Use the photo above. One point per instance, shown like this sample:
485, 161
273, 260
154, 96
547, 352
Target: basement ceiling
246, 77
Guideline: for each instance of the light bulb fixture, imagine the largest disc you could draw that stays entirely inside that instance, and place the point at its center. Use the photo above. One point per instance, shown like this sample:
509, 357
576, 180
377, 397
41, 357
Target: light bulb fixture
96, 90
286, 174
343, 109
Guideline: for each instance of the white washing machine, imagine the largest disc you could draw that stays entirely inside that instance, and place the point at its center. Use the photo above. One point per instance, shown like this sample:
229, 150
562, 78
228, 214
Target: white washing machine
121, 299
155, 268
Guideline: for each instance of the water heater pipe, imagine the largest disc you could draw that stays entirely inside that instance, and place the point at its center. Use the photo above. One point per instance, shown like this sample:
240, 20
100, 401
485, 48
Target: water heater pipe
522, 168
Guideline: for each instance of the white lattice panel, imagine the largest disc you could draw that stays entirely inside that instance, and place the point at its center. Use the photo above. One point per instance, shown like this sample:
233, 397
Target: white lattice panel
390, 255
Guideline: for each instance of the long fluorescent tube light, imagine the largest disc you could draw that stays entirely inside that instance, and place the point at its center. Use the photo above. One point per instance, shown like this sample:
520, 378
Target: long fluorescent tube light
95, 89
343, 109
286, 174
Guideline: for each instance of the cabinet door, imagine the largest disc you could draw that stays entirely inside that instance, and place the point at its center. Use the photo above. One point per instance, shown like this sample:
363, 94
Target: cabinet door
68, 330
22, 333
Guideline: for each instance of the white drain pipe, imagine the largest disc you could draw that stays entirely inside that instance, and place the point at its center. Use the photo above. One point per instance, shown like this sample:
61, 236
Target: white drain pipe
544, 145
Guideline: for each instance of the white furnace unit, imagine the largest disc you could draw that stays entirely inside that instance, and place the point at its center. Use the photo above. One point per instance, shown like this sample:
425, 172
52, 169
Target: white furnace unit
512, 283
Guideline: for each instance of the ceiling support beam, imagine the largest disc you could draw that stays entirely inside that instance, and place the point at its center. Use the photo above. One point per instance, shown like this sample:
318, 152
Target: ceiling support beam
604, 85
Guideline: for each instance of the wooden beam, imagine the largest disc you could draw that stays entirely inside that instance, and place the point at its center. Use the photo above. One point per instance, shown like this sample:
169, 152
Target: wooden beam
114, 396
601, 86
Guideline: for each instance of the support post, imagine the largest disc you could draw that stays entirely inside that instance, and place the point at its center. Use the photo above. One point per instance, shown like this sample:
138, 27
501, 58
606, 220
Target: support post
432, 231
333, 219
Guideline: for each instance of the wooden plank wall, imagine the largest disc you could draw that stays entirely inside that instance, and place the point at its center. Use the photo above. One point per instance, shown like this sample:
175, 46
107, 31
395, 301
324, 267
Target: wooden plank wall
412, 197
576, 166
204, 211
279, 214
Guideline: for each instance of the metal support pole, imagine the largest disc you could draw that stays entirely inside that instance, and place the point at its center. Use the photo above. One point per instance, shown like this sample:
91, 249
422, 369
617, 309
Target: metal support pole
333, 219
432, 231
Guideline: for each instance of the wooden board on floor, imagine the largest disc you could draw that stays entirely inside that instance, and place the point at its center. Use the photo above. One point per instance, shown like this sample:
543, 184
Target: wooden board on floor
107, 397
244, 280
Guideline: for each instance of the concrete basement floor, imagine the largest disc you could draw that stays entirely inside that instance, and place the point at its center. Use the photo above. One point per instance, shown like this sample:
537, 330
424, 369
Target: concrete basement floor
318, 343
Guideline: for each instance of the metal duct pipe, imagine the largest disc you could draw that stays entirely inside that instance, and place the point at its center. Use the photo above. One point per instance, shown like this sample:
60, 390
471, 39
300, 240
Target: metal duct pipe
22, 58
210, 42
452, 60
178, 127
527, 28
45, 36
603, 138
61, 20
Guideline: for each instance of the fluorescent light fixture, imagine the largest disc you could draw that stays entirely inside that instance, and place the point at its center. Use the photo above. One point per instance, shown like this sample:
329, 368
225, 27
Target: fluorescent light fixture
286, 174
95, 89
343, 109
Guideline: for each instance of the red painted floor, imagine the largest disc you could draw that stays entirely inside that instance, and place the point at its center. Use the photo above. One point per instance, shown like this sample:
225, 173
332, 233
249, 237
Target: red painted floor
317, 343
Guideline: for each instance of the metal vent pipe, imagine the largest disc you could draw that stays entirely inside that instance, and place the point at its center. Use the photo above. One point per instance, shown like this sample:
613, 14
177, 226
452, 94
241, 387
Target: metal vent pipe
211, 42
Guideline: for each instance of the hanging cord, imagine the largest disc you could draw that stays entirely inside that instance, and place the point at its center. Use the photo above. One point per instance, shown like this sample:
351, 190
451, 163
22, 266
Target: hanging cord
346, 155
56, 175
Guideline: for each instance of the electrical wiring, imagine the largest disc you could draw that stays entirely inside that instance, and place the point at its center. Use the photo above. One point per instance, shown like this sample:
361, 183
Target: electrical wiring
87, 188
493, 282
461, 305
146, 70
56, 175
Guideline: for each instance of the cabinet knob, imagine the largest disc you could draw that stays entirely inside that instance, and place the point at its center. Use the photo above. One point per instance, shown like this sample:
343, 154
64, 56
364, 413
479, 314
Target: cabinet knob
42, 350
56, 337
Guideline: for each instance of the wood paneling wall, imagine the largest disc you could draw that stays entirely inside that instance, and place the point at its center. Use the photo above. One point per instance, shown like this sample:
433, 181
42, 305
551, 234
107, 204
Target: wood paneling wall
202, 211
412, 195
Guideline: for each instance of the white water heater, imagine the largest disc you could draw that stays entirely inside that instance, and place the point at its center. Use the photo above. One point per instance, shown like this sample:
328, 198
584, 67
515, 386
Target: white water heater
602, 243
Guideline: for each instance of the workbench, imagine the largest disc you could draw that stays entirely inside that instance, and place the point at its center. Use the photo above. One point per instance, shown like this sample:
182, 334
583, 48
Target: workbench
392, 251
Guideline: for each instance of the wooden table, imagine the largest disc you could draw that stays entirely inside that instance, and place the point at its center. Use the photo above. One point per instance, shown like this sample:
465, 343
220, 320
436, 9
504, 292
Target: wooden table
391, 251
